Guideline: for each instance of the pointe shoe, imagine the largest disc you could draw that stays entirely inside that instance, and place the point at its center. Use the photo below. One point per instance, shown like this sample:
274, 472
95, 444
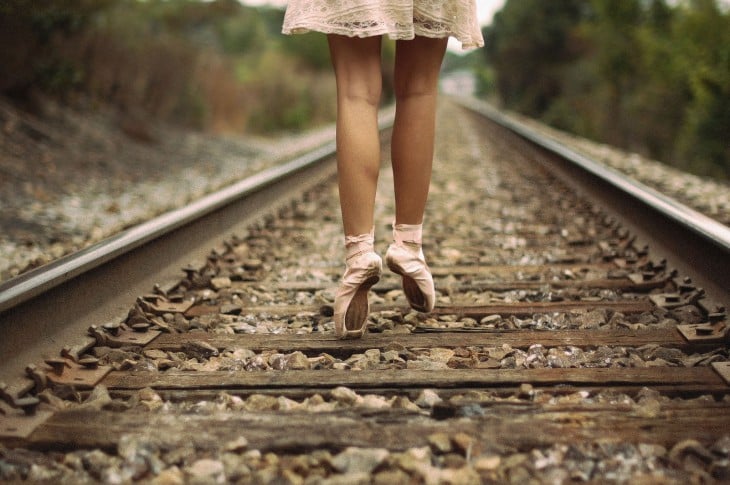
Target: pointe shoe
351, 300
407, 260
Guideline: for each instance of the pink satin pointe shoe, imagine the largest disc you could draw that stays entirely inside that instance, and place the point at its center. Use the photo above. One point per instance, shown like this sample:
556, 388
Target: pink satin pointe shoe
405, 257
351, 300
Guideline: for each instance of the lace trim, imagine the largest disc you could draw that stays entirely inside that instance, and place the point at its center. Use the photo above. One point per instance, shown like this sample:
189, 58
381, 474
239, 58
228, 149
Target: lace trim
399, 19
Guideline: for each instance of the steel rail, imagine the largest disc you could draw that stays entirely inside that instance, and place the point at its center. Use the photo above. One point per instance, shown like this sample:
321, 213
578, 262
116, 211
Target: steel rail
35, 282
697, 245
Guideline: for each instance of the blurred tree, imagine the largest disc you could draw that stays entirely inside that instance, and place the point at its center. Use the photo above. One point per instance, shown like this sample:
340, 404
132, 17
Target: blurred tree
243, 33
704, 53
28, 29
653, 121
527, 45
613, 31
209, 64
646, 75
309, 49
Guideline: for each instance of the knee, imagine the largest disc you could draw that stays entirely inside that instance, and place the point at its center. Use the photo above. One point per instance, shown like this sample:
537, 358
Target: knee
360, 86
414, 87
362, 93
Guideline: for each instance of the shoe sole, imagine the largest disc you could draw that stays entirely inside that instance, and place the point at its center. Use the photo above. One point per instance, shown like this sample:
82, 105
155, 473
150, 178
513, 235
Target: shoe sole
413, 293
357, 312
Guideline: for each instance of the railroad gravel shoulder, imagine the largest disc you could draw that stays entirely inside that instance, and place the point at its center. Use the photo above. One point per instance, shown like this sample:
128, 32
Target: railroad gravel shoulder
703, 194
72, 178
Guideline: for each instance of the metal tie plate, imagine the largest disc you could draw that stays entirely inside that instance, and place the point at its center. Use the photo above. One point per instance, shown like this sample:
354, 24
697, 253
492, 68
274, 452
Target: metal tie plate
131, 337
77, 375
705, 332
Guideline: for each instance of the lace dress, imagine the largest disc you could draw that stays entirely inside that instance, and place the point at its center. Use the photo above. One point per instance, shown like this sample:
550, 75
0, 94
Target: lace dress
399, 19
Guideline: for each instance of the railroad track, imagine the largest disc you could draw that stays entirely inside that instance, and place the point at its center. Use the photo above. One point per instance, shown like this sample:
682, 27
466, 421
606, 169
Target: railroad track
561, 348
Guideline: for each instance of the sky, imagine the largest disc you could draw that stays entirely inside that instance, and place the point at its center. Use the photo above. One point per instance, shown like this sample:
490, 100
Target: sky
485, 8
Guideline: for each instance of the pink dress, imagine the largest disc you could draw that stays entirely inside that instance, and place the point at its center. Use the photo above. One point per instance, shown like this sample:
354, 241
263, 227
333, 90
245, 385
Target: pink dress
398, 19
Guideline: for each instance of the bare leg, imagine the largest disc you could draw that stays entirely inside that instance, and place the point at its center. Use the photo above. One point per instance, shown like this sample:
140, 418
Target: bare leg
417, 66
357, 69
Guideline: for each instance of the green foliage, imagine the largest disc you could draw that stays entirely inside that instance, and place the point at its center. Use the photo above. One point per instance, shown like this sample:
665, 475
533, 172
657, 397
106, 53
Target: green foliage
458, 62
647, 75
527, 45
29, 32
216, 65
485, 81
310, 49
283, 101
242, 34
473, 62
705, 61
57, 77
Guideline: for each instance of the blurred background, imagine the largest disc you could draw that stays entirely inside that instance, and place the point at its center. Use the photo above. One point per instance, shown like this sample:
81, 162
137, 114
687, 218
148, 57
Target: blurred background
650, 76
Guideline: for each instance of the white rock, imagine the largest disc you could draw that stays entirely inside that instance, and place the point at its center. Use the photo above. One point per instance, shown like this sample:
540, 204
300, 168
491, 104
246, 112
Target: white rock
345, 395
428, 398
487, 463
374, 402
426, 364
359, 460
239, 444
297, 361
171, 476
220, 282
207, 469
373, 355
441, 355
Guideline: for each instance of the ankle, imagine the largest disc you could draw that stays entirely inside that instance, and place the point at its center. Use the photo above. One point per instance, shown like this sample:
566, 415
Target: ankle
359, 244
408, 235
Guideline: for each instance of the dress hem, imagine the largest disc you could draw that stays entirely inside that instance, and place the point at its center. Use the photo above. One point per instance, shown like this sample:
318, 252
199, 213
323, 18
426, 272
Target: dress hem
404, 35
